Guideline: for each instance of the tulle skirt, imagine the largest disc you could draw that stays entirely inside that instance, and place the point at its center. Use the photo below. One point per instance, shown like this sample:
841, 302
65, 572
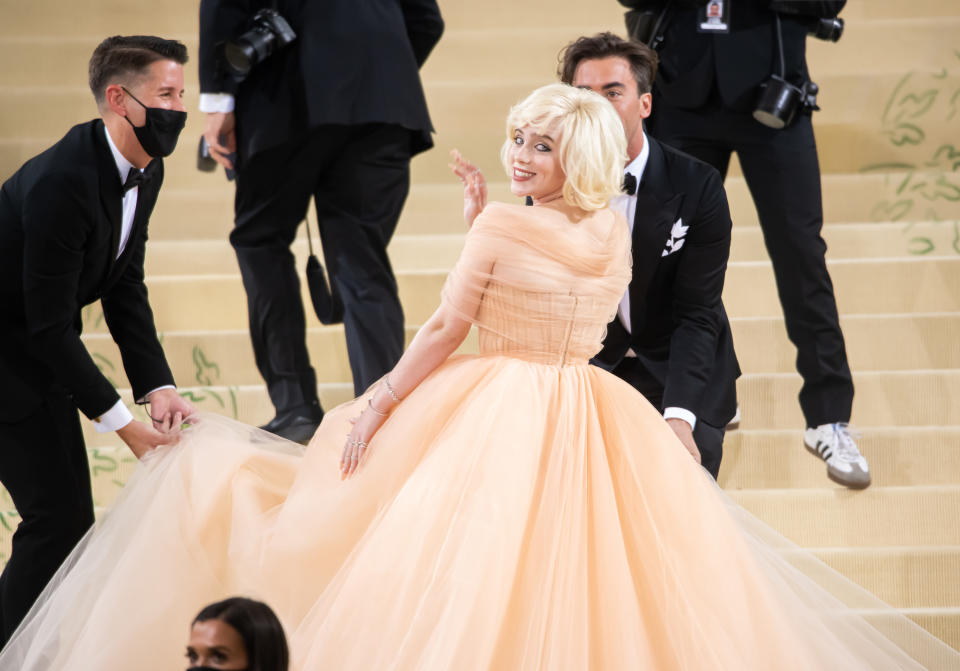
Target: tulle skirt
509, 515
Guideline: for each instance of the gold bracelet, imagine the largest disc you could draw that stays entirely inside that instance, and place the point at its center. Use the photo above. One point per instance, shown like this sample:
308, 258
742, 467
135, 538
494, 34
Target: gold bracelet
393, 394
377, 412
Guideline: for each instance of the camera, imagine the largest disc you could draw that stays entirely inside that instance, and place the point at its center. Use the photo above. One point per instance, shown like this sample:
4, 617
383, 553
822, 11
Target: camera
269, 32
780, 101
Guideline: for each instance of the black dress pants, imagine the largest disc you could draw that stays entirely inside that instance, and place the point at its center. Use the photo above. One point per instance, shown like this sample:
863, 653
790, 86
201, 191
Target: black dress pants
783, 174
709, 438
359, 177
43, 465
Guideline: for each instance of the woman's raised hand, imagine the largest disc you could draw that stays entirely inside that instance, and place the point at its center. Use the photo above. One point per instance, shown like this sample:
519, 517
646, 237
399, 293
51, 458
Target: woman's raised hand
474, 186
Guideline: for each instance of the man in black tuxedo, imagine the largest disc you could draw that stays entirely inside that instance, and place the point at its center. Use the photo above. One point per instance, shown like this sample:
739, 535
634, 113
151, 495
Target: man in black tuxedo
336, 115
671, 338
73, 229
715, 56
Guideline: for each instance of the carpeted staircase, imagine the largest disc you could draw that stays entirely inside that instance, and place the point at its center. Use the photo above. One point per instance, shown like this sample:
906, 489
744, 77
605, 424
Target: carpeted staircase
890, 156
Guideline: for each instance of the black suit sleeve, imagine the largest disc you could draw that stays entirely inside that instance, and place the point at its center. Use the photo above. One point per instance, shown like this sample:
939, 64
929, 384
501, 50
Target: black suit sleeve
56, 231
220, 20
424, 26
130, 319
696, 298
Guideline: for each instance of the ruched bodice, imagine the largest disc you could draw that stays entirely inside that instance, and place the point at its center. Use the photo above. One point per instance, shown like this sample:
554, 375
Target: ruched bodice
571, 336
541, 283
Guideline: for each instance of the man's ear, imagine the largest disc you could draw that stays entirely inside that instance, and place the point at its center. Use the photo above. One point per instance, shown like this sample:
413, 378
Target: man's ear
115, 100
646, 105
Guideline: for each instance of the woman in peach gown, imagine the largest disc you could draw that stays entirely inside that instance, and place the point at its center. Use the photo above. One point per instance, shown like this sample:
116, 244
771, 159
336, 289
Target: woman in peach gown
516, 509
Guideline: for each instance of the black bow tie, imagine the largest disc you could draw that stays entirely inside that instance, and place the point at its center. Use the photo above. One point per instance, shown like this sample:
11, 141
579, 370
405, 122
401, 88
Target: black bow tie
136, 178
629, 184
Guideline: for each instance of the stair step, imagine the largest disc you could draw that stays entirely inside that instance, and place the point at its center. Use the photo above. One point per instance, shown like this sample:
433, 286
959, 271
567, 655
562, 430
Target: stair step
226, 357
419, 252
909, 341
435, 208
898, 456
889, 516
45, 19
874, 286
906, 577
944, 623
883, 398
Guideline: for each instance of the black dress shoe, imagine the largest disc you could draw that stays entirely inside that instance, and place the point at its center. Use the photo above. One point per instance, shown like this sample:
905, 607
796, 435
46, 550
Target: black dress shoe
298, 424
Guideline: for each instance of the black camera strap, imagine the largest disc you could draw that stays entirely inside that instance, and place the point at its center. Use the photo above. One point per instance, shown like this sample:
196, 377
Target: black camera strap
643, 27
656, 36
778, 33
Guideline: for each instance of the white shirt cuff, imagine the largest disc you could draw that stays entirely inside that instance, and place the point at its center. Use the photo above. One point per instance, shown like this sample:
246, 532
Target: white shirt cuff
680, 413
216, 102
146, 398
115, 418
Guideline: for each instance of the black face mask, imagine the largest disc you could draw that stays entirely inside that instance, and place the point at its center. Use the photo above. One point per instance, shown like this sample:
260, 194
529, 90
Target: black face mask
158, 136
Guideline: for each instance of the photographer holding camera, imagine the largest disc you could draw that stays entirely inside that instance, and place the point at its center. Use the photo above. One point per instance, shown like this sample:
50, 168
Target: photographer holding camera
324, 100
733, 77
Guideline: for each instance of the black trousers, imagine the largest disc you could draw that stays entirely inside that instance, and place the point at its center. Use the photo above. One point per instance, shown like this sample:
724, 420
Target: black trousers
43, 465
783, 174
709, 438
359, 177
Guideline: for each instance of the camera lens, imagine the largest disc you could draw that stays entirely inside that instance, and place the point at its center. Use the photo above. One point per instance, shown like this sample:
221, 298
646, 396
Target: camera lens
269, 32
779, 101
251, 48
239, 56
829, 29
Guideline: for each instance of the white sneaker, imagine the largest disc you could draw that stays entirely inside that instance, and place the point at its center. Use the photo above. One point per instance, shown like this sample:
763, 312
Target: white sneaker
834, 444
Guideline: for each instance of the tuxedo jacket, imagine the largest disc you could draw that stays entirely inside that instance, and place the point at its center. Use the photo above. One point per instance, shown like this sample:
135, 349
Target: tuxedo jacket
679, 329
60, 222
693, 64
353, 62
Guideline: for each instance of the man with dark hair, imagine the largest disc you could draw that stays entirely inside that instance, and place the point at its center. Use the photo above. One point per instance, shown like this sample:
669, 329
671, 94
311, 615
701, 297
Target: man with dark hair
671, 337
73, 229
717, 57
336, 115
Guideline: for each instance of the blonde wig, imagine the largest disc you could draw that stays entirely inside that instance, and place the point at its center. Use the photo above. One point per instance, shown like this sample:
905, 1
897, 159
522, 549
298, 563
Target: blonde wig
592, 145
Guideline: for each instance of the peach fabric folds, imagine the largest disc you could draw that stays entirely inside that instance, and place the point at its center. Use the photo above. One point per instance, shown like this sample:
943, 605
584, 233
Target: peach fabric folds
519, 510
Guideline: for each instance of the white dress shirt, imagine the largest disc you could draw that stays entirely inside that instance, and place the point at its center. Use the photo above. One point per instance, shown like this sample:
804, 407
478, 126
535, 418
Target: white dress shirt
626, 204
118, 416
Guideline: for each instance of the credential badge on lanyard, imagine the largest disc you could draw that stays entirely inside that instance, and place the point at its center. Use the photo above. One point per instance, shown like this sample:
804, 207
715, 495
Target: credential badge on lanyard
715, 17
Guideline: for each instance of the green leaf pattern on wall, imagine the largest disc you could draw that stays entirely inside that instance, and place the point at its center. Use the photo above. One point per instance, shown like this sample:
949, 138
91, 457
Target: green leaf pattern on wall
922, 190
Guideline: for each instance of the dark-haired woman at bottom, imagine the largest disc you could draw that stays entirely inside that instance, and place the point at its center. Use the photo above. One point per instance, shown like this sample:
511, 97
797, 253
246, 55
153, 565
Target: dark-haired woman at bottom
237, 634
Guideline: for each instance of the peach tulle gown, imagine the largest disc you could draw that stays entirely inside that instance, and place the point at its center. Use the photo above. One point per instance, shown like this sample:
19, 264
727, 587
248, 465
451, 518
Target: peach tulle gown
520, 509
